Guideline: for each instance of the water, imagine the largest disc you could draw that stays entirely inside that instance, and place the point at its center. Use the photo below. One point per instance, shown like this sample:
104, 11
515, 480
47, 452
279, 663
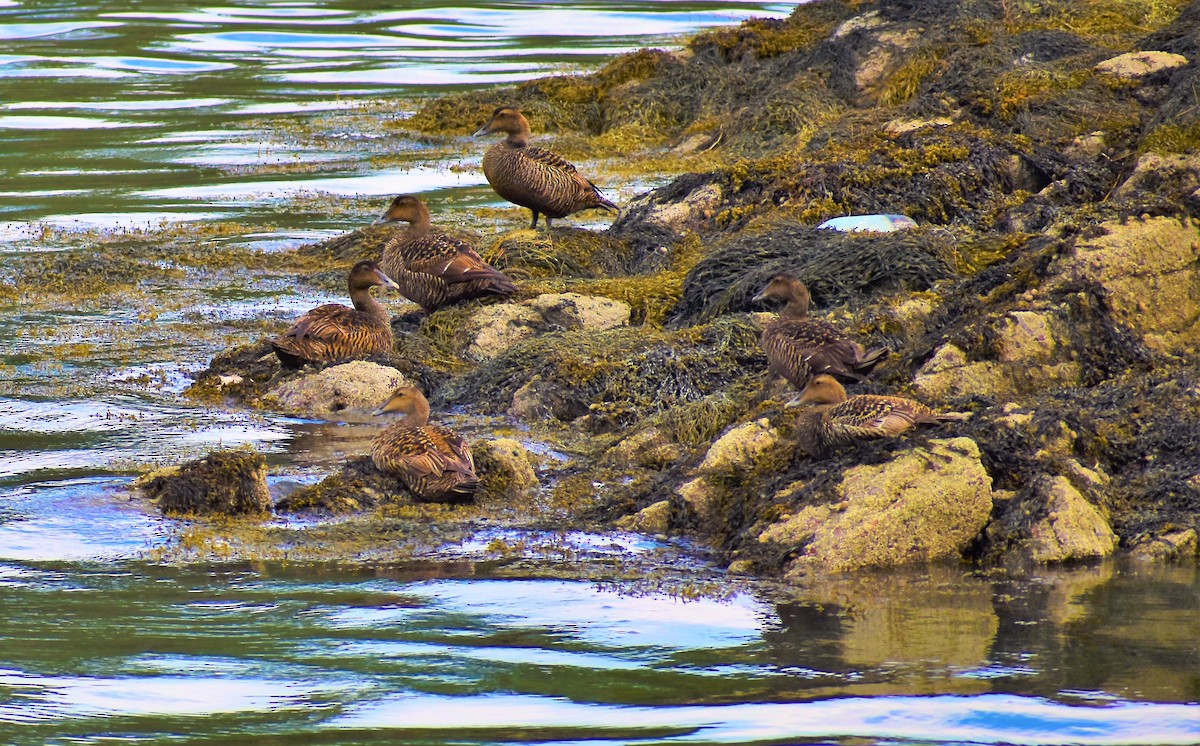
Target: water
245, 122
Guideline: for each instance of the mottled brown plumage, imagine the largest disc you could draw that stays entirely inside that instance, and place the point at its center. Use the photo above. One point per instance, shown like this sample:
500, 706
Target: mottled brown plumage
799, 347
334, 332
433, 268
533, 177
433, 461
829, 418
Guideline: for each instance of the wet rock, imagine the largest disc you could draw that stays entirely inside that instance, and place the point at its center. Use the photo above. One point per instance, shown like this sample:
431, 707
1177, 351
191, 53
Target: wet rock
740, 447
342, 392
505, 469
653, 519
924, 505
498, 327
1141, 65
1169, 546
1072, 529
1151, 271
221, 483
651, 448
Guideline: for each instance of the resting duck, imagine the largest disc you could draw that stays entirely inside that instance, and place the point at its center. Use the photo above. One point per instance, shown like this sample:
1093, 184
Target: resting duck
831, 419
799, 347
334, 332
433, 268
533, 177
433, 461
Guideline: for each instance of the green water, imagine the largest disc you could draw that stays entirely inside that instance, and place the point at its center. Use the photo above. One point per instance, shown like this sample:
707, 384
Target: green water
138, 115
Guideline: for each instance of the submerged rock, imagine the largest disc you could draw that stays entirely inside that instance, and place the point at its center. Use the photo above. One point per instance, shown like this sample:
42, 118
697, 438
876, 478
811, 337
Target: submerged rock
924, 505
221, 483
347, 391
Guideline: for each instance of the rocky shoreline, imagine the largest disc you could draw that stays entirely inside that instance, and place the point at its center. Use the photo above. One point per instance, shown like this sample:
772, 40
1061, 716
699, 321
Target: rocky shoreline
1051, 288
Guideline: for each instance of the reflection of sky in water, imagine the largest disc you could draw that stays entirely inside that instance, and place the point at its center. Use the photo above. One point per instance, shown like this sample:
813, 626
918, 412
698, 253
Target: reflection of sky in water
991, 719
597, 617
41, 698
75, 520
397, 181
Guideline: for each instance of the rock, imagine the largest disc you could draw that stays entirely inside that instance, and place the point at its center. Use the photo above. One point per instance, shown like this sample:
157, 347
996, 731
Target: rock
221, 483
653, 519
1168, 547
1159, 173
1027, 336
498, 327
650, 448
1074, 528
924, 505
949, 373
1141, 65
739, 447
505, 469
1151, 270
343, 392
696, 206
904, 126
528, 402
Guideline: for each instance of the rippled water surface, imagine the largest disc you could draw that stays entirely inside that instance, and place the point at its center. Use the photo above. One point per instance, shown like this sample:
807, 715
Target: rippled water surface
120, 117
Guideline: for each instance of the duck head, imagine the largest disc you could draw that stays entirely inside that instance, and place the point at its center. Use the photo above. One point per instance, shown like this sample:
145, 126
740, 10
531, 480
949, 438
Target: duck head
366, 275
405, 208
409, 402
789, 289
822, 389
507, 119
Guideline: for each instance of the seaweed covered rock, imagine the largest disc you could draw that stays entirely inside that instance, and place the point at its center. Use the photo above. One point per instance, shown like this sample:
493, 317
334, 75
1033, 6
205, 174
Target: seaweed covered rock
505, 469
347, 391
365, 243
498, 327
837, 267
616, 376
738, 449
355, 487
1151, 272
221, 483
925, 504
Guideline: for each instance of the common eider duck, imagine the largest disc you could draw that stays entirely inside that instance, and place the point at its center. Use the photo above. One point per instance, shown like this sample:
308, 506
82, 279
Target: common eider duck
433, 461
829, 419
433, 268
799, 347
534, 177
333, 332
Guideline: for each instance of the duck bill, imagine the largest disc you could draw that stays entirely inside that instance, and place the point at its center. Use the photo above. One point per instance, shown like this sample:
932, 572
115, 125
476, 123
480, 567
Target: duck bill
484, 130
385, 281
759, 298
382, 219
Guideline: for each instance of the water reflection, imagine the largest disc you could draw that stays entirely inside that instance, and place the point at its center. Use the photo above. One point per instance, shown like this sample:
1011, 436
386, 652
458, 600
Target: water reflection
313, 654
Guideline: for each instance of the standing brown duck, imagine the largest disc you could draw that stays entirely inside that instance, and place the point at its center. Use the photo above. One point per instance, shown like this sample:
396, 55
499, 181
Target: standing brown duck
799, 347
830, 418
334, 332
433, 461
433, 268
533, 177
